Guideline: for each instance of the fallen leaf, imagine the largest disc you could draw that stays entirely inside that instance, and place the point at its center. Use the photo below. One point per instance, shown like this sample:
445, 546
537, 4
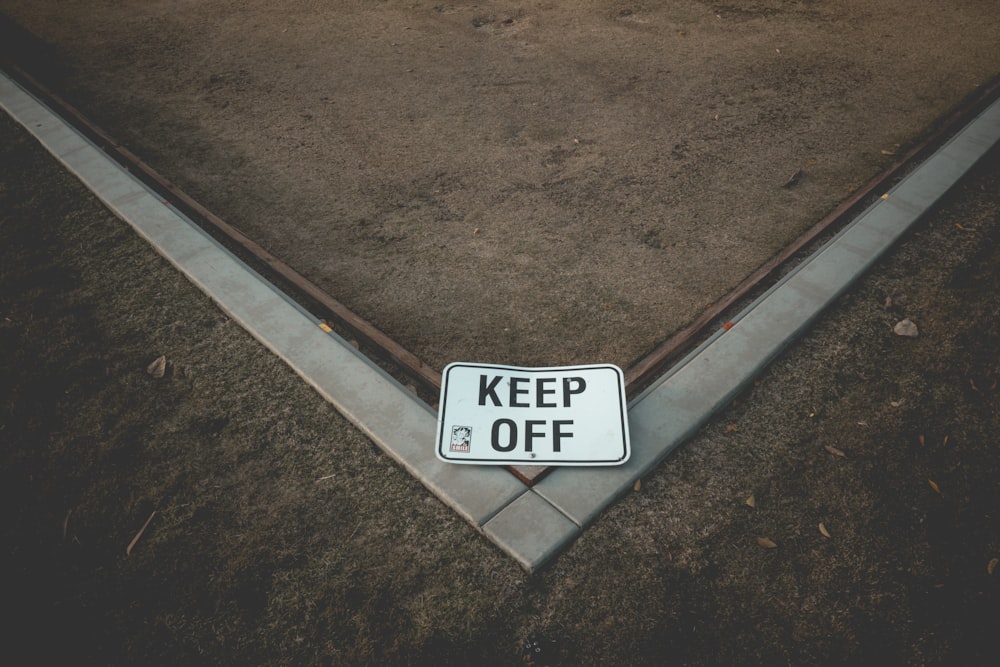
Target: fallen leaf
934, 486
992, 565
823, 531
766, 543
730, 428
637, 485
964, 229
158, 367
751, 501
945, 441
920, 439
833, 450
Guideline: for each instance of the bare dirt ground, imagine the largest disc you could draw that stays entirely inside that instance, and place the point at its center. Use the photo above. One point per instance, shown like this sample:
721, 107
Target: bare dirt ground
516, 182
276, 534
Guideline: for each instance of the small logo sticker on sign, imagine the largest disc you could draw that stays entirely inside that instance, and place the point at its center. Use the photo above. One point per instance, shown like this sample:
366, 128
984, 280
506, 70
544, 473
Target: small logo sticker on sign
569, 415
461, 437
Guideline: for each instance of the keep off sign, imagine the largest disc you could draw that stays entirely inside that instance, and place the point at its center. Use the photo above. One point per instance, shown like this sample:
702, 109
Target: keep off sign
572, 416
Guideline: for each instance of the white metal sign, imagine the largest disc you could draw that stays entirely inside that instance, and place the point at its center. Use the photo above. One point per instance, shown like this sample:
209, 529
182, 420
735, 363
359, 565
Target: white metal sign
571, 415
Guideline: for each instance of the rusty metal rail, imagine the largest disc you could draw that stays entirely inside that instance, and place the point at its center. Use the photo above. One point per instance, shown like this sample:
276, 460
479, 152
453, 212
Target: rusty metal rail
646, 369
323, 305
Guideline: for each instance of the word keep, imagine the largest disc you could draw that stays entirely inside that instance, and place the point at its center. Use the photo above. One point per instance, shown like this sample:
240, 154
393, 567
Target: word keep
521, 392
521, 386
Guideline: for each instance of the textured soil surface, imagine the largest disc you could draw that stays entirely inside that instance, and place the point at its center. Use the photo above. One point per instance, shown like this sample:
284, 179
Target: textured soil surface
533, 183
845, 510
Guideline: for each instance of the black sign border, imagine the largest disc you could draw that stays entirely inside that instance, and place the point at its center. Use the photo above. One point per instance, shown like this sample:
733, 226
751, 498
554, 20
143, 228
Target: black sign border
626, 439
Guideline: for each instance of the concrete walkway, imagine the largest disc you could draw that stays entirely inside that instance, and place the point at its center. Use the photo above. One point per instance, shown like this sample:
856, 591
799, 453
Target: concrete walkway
531, 524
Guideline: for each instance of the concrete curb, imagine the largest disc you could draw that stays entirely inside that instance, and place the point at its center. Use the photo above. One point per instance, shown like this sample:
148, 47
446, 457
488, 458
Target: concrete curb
530, 524
669, 412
